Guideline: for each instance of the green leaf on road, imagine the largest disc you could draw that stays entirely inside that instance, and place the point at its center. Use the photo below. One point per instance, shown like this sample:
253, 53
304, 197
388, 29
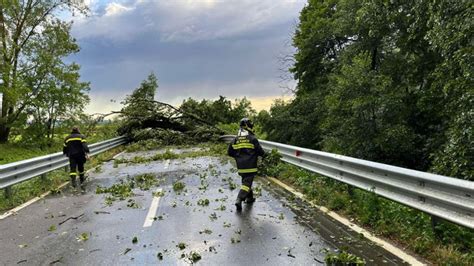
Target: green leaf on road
83, 237
194, 256
178, 186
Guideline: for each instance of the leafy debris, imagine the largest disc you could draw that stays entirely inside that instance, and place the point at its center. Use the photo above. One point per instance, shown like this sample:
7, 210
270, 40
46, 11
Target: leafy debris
206, 231
83, 237
342, 258
159, 256
133, 204
221, 208
178, 186
203, 202
194, 256
146, 181
55, 191
120, 190
158, 194
213, 216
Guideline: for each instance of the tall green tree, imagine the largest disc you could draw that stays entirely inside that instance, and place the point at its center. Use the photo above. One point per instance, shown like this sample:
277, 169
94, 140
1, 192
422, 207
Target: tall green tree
56, 90
22, 25
389, 81
451, 34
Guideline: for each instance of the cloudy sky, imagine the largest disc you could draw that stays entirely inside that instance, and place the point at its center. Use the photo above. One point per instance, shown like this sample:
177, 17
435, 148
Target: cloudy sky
197, 48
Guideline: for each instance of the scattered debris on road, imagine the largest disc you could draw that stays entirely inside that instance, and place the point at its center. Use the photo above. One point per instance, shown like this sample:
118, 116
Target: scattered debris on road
126, 251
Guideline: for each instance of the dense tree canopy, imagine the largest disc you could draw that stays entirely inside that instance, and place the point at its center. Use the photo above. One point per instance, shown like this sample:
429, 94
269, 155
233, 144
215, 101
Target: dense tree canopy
389, 81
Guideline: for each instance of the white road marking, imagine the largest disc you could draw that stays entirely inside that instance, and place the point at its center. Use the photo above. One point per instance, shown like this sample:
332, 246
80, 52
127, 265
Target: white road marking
117, 155
152, 211
384, 244
167, 163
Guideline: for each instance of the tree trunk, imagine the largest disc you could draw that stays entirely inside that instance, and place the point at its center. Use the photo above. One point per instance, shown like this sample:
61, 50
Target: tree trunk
4, 129
374, 58
4, 133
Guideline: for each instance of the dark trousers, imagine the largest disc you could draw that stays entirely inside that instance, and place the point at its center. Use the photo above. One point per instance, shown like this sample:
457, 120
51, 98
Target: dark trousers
76, 167
246, 188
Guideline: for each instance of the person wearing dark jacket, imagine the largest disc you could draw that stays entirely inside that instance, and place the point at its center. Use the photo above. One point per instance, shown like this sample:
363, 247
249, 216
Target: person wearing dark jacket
245, 149
76, 149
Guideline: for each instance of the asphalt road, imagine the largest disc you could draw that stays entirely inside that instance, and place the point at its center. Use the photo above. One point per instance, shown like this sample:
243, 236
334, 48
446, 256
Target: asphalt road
79, 228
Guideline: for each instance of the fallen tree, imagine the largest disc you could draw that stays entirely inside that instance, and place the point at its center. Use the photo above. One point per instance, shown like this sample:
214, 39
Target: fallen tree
144, 118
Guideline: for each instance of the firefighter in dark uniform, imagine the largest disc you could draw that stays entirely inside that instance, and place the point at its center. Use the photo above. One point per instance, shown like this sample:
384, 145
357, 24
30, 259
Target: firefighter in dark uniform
75, 147
245, 149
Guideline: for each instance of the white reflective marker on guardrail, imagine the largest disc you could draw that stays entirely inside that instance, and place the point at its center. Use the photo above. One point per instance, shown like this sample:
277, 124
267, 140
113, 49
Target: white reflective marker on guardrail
449, 198
17, 172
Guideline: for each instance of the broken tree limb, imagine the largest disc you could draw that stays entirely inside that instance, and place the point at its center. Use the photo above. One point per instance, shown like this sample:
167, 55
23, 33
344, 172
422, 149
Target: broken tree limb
71, 218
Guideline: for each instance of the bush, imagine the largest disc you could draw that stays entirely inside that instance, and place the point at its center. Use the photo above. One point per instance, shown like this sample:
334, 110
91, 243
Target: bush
269, 165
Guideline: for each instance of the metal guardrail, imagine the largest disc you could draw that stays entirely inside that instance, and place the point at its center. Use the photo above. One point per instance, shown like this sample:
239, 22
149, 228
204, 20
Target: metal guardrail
445, 197
17, 172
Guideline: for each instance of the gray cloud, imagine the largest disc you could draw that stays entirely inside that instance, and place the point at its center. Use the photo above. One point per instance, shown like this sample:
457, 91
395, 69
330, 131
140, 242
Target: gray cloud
196, 48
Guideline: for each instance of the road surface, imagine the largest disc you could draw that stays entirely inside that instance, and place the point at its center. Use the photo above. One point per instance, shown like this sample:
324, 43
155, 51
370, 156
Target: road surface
79, 228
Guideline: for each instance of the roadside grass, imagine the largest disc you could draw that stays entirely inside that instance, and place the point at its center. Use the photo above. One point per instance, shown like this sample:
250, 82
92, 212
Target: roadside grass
446, 243
17, 151
11, 152
36, 186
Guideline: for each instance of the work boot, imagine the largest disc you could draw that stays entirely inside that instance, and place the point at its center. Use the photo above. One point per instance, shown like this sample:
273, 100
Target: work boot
238, 204
83, 187
250, 200
73, 182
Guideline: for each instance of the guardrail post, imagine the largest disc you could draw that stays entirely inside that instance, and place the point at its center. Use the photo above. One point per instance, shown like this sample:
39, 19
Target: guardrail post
350, 190
8, 192
43, 177
435, 221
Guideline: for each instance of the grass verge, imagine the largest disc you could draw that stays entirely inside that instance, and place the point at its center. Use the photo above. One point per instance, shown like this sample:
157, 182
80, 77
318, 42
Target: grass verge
445, 243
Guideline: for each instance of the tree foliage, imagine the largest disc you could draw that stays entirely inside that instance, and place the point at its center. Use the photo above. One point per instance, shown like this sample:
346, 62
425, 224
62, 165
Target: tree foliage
146, 118
33, 44
220, 111
389, 81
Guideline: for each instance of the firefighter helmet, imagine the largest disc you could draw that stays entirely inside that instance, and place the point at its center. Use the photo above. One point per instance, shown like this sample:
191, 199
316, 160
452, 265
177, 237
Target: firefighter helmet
246, 123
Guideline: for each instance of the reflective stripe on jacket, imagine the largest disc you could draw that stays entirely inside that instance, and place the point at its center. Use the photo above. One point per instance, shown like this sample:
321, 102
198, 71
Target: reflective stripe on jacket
245, 148
75, 145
